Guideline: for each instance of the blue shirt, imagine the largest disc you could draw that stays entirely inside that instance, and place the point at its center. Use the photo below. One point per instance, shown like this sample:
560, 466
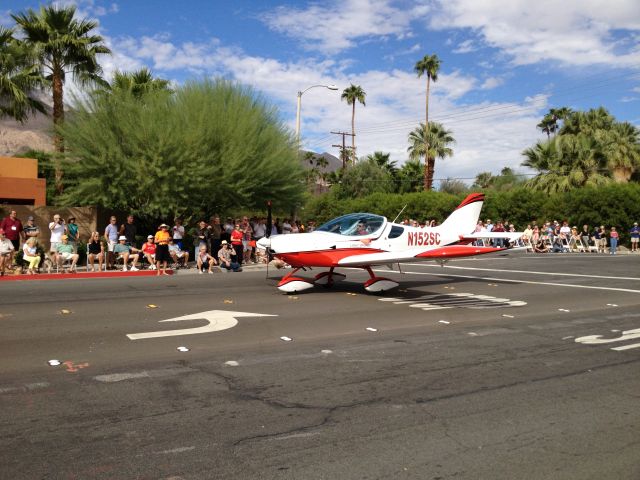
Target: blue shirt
635, 232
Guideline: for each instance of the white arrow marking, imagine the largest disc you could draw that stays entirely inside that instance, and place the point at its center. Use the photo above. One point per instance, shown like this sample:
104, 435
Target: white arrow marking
597, 339
217, 320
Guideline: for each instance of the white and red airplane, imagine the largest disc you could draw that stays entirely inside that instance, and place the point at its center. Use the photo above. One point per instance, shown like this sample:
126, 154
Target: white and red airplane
363, 240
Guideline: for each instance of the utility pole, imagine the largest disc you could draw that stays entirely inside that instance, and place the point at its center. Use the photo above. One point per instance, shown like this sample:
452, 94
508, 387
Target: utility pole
343, 148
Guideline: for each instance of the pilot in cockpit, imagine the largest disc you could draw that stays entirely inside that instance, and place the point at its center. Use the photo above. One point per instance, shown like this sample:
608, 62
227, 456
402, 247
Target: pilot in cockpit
362, 229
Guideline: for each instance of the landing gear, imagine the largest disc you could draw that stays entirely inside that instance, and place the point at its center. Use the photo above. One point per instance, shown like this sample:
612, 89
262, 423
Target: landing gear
292, 284
378, 284
327, 279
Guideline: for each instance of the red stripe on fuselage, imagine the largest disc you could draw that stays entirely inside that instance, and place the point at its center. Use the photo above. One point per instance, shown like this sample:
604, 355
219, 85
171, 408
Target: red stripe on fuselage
323, 258
457, 251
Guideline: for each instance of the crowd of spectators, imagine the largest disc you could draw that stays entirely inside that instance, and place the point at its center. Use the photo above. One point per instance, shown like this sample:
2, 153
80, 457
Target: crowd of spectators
231, 244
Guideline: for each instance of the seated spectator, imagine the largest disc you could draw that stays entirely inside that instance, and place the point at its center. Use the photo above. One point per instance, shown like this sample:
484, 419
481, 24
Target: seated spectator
149, 252
540, 247
179, 257
226, 258
205, 260
558, 245
6, 252
64, 252
30, 255
574, 239
585, 236
126, 252
95, 249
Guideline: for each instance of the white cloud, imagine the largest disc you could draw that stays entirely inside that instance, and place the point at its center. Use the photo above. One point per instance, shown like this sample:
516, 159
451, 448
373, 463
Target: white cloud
336, 25
491, 82
465, 47
573, 32
489, 136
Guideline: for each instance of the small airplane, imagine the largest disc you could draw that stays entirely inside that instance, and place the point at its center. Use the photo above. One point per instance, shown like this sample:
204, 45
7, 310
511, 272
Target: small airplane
363, 240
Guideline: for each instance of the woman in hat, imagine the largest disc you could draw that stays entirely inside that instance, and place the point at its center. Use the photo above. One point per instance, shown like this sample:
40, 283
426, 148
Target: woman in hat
162, 248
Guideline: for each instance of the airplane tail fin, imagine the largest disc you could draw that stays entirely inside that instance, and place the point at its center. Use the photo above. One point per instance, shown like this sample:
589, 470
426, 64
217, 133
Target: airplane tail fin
464, 219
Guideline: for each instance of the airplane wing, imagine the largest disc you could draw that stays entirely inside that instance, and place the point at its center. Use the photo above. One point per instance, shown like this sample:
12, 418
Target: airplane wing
448, 251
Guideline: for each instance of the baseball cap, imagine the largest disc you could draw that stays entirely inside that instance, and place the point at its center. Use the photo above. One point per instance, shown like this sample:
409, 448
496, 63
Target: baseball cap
164, 225
224, 242
149, 236
29, 218
122, 237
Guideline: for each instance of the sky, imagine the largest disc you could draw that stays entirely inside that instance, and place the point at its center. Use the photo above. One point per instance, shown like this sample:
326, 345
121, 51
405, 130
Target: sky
505, 63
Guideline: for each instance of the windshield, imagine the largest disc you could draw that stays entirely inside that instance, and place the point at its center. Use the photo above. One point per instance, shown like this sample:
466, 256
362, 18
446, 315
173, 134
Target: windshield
354, 224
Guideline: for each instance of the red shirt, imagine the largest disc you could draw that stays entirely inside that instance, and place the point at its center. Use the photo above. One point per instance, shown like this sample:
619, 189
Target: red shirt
149, 248
11, 227
236, 237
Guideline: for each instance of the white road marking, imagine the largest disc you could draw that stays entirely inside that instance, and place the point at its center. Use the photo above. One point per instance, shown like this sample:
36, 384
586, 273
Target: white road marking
164, 372
563, 310
508, 280
216, 320
231, 363
626, 347
326, 352
286, 339
528, 272
508, 316
444, 321
567, 338
371, 329
176, 450
597, 339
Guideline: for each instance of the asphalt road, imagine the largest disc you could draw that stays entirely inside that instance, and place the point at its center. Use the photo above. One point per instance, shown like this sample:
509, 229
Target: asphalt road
471, 371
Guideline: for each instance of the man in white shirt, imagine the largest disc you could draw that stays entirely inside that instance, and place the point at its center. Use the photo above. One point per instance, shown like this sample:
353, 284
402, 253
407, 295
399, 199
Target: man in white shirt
58, 229
178, 232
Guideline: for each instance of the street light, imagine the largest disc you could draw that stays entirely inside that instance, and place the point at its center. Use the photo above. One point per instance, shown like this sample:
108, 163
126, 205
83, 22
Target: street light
330, 87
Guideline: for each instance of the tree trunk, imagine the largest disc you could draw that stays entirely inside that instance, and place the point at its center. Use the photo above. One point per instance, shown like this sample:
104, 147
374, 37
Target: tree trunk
622, 174
353, 131
58, 118
428, 173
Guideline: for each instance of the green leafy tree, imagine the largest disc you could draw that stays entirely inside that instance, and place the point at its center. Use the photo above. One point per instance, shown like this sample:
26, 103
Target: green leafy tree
365, 178
410, 176
210, 146
430, 144
353, 94
429, 66
64, 45
137, 83
622, 148
20, 78
453, 186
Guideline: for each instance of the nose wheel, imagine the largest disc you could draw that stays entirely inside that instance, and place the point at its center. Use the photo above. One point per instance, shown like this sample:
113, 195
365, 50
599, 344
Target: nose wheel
378, 284
327, 279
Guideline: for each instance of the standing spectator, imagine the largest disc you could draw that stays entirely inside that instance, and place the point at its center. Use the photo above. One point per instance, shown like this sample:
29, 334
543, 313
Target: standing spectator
584, 234
499, 228
31, 230
162, 248
225, 257
129, 230
613, 240
30, 254
565, 230
216, 234
635, 236
65, 252
286, 226
236, 243
311, 226
227, 229
149, 251
178, 232
275, 227
603, 239
12, 227
6, 252
58, 229
204, 260
73, 232
95, 249
111, 233
247, 238
596, 238
489, 225
203, 233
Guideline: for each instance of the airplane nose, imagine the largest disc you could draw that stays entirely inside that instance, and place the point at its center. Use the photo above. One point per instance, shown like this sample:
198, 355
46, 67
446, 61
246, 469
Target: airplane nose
264, 243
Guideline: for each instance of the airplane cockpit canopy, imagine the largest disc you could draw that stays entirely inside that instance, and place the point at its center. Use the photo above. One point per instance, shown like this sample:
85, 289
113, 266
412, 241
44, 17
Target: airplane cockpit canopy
354, 224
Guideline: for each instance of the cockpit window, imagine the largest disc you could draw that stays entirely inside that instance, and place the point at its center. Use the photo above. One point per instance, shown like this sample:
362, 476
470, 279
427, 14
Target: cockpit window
354, 224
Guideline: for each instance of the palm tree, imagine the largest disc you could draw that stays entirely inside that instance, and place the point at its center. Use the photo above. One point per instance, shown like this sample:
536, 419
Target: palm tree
410, 176
429, 65
138, 82
622, 148
383, 160
19, 79
64, 45
430, 143
353, 94
547, 125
